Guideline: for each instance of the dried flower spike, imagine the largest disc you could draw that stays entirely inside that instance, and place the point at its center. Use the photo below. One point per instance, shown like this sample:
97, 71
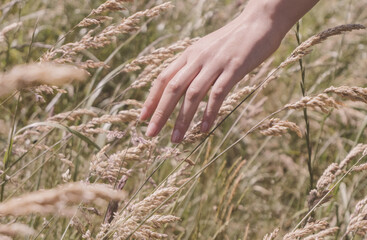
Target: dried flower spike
29, 75
15, 229
277, 127
321, 101
58, 200
352, 93
304, 48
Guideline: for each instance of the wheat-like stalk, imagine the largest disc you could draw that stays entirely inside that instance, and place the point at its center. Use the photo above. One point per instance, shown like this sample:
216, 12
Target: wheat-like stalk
115, 164
304, 48
329, 232
272, 235
95, 125
360, 168
100, 40
309, 228
29, 75
72, 115
58, 200
330, 174
321, 101
358, 222
150, 73
159, 55
195, 134
126, 222
277, 127
86, 22
352, 93
233, 99
15, 229
109, 5
7, 29
360, 148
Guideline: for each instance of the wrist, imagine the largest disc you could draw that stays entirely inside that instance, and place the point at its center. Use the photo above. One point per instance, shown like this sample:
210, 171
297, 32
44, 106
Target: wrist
264, 16
278, 15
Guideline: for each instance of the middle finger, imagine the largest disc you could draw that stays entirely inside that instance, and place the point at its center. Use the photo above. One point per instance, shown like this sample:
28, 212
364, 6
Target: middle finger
171, 95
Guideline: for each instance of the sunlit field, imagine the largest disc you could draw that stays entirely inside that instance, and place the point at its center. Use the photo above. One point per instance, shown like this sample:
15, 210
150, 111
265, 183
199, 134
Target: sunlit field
287, 158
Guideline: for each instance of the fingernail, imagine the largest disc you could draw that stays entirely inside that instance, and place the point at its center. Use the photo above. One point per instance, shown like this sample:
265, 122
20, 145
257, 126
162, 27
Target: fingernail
143, 114
176, 136
205, 126
151, 130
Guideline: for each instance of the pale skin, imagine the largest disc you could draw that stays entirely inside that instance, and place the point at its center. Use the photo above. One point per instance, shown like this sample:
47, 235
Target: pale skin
217, 62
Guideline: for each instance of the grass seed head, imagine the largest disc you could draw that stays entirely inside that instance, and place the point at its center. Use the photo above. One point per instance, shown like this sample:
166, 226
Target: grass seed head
30, 75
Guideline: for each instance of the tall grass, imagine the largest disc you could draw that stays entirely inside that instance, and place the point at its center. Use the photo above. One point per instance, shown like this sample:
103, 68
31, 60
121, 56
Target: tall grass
77, 165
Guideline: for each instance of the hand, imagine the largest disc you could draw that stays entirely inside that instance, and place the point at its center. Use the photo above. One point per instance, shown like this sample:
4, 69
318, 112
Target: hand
218, 60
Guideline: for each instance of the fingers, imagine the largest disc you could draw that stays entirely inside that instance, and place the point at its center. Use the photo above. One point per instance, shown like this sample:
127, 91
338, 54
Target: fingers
220, 90
194, 94
172, 93
158, 87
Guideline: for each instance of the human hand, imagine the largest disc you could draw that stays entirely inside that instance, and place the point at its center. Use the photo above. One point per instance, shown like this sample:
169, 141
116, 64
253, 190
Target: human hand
218, 60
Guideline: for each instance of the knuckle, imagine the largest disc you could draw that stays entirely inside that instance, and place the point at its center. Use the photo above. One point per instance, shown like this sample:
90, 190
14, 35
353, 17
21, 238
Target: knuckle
162, 77
197, 56
174, 87
213, 110
190, 50
192, 94
205, 55
235, 63
218, 92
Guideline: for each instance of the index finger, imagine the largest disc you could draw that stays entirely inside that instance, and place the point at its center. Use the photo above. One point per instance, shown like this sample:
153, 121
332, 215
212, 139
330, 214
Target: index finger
158, 87
170, 97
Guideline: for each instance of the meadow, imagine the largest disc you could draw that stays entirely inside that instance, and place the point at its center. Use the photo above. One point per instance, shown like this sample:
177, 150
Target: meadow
287, 158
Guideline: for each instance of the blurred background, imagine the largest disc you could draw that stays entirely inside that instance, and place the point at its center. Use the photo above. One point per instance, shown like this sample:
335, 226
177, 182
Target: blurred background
260, 184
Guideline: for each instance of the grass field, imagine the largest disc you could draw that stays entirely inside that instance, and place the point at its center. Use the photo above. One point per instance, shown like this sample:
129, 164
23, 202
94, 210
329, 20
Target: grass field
289, 162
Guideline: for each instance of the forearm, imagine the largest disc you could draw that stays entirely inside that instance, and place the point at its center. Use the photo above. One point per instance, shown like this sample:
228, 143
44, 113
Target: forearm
279, 15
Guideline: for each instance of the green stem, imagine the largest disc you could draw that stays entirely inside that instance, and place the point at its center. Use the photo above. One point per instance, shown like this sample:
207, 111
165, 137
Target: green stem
8, 153
305, 115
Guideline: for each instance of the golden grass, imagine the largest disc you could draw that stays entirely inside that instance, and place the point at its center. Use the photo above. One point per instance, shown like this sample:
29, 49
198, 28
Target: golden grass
76, 163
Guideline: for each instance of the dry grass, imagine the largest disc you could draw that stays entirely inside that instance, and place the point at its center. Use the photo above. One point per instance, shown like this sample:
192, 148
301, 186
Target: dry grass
23, 76
57, 201
77, 165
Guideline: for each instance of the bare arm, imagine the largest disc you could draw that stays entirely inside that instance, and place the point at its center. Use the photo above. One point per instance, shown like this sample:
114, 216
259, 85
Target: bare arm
219, 60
